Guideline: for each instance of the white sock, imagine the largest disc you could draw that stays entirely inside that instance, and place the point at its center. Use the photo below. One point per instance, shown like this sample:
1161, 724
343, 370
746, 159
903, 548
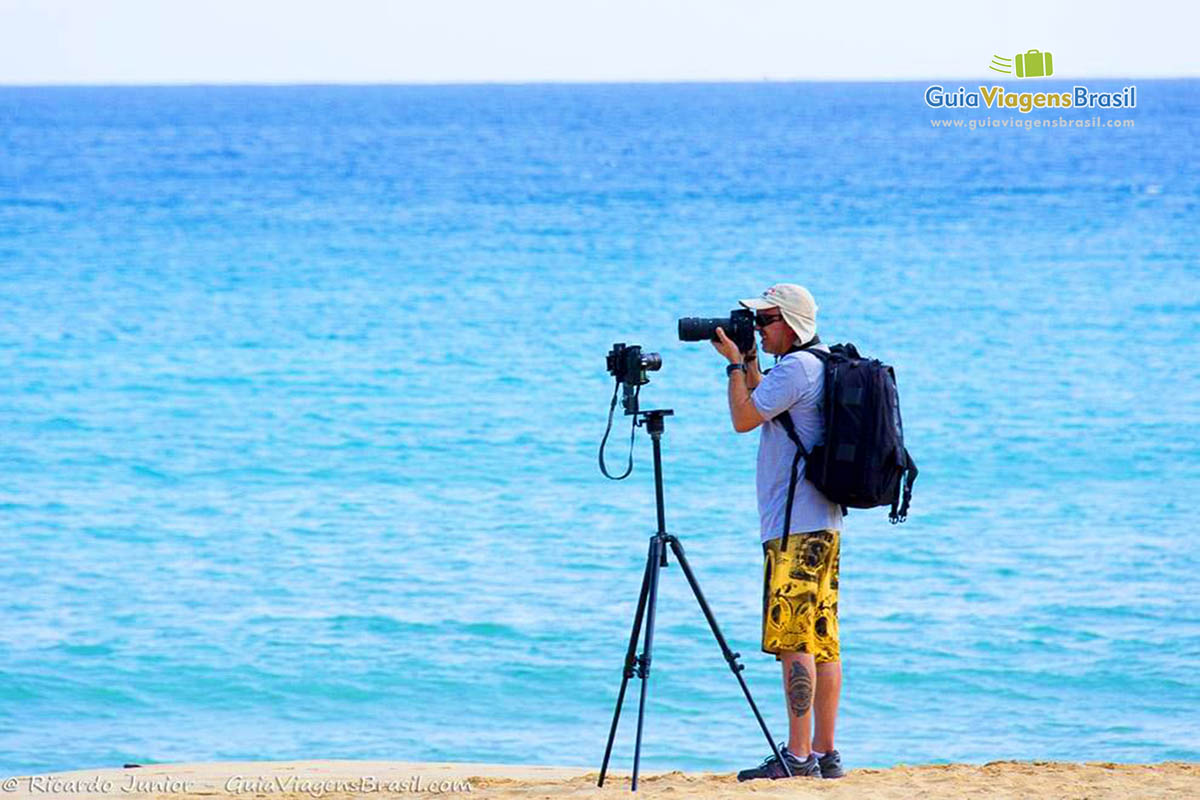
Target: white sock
818, 755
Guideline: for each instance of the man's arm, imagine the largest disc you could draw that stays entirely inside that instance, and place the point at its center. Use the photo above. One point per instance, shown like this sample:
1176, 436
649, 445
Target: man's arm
744, 415
753, 375
741, 408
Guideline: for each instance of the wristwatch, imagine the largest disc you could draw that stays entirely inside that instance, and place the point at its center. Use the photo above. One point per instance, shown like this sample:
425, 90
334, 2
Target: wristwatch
732, 368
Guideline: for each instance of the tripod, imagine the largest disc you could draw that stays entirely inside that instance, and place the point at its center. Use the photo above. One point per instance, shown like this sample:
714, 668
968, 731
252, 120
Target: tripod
655, 560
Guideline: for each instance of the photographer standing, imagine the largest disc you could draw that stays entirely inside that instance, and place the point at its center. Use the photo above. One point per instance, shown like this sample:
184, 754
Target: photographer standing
800, 584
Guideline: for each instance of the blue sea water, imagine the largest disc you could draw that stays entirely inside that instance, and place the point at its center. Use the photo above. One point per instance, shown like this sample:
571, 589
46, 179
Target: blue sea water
302, 390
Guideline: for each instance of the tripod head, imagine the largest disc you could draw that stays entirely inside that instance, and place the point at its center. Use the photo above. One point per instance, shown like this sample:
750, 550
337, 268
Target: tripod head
652, 419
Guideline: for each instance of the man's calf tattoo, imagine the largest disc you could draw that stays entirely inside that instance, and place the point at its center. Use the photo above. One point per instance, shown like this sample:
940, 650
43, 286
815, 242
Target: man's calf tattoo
800, 689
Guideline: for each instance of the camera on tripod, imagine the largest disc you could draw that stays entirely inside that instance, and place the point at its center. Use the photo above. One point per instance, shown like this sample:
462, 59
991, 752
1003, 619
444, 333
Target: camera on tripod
629, 366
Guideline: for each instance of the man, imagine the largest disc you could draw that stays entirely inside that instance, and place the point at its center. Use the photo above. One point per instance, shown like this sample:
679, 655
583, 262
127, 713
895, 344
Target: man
799, 584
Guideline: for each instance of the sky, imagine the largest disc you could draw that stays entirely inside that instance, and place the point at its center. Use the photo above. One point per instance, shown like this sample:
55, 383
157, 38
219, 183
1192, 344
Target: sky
517, 41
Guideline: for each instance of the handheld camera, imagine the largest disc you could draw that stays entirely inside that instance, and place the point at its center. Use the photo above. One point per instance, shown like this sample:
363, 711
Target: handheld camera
739, 326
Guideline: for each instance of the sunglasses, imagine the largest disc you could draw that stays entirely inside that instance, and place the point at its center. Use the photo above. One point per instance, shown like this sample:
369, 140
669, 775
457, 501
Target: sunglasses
763, 320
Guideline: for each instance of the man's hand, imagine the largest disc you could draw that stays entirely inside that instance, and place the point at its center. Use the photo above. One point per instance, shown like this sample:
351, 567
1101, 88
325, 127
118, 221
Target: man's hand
726, 347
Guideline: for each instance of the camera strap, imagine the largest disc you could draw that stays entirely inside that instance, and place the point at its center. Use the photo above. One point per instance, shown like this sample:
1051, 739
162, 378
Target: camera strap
632, 430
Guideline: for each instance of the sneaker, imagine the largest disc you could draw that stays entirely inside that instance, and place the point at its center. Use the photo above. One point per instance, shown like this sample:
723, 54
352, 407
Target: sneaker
831, 765
771, 768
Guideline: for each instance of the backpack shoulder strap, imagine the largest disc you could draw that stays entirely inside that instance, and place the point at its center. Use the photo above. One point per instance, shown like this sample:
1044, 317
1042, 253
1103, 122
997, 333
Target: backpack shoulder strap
821, 354
784, 418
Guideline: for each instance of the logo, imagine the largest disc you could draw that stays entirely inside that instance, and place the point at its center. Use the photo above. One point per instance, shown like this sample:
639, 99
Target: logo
998, 97
1029, 105
1030, 64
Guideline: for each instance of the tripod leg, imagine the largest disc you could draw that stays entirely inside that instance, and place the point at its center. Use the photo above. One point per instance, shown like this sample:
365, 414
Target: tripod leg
730, 657
656, 552
630, 656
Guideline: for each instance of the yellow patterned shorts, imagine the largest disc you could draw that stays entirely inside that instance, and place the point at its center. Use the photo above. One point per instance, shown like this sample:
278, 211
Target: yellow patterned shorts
800, 595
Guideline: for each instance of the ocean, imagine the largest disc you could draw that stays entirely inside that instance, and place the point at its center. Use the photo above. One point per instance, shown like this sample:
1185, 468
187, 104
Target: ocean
303, 389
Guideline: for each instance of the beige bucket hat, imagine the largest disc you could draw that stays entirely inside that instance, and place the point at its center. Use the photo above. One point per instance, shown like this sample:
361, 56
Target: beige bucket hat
794, 302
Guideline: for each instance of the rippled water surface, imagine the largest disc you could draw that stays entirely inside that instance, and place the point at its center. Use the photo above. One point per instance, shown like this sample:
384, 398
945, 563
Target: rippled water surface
302, 388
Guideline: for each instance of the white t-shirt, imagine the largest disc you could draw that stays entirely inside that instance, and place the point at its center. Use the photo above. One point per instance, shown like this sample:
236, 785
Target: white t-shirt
797, 384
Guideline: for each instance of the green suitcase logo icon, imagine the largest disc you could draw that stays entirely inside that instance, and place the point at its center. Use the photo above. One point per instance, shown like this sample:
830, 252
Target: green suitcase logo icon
1034, 64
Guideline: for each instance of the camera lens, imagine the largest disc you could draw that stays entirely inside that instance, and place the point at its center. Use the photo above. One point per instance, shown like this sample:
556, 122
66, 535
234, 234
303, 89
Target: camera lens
738, 326
700, 329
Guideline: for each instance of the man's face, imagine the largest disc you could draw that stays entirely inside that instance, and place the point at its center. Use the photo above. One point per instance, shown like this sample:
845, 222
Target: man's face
777, 337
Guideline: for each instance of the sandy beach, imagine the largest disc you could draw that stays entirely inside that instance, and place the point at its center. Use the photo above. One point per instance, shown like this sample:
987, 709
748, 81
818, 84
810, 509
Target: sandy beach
292, 780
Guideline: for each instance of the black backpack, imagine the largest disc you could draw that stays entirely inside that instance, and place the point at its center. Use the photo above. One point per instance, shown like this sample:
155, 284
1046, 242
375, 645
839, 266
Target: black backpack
863, 462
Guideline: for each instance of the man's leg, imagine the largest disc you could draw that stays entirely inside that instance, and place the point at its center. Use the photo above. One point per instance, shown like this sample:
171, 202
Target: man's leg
798, 673
825, 704
799, 677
